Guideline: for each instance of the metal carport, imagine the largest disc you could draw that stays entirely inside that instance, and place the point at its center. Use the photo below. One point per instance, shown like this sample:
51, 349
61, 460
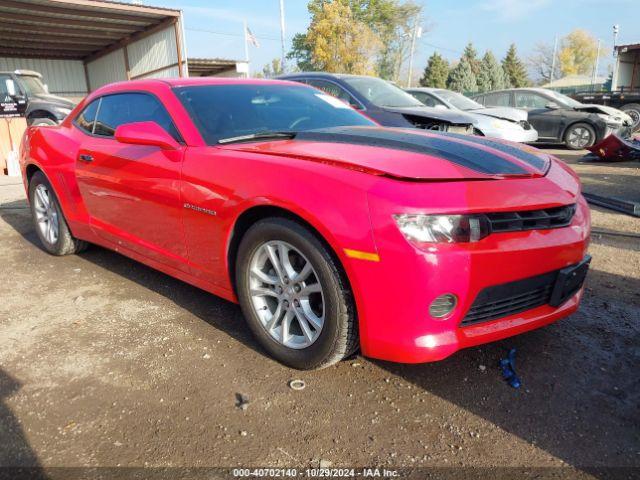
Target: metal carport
80, 45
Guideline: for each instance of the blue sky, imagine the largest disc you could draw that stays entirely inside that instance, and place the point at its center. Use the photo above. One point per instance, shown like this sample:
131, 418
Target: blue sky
489, 24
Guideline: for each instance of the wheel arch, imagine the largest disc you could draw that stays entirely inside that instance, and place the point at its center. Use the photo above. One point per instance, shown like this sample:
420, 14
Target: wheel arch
255, 213
40, 113
587, 121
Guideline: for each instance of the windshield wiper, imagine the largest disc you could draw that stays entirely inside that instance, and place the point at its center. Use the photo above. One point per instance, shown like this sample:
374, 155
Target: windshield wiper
257, 136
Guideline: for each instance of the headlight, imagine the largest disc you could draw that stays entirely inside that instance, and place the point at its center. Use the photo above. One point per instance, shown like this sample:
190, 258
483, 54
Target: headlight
420, 229
610, 120
505, 125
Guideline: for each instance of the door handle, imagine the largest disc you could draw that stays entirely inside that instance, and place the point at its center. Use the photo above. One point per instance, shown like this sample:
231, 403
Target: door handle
86, 157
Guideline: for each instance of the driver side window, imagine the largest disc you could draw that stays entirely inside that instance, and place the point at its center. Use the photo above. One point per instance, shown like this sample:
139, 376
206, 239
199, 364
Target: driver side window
426, 99
122, 108
335, 91
530, 100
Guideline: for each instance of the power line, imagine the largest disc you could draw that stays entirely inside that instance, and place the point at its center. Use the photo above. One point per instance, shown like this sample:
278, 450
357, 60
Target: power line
228, 34
438, 47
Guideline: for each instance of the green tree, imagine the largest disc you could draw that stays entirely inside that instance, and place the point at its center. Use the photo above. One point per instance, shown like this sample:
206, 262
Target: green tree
514, 69
436, 72
301, 53
471, 55
491, 76
461, 78
273, 69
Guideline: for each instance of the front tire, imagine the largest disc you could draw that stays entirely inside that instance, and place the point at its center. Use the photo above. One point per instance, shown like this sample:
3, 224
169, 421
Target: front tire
48, 219
579, 136
294, 296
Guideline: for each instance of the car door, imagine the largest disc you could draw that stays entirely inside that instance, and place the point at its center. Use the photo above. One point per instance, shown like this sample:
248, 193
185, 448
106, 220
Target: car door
547, 121
132, 192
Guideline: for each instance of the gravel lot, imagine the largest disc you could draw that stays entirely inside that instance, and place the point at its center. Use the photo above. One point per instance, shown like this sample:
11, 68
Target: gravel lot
105, 362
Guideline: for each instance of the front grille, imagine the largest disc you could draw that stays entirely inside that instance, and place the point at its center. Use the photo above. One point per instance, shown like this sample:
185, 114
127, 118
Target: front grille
531, 219
552, 288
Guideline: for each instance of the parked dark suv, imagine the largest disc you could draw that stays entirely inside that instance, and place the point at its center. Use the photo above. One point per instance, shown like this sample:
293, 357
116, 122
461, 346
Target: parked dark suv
384, 102
25, 88
560, 119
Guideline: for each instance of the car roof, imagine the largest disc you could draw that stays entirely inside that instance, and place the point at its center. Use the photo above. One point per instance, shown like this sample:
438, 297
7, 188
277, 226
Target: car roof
322, 75
186, 82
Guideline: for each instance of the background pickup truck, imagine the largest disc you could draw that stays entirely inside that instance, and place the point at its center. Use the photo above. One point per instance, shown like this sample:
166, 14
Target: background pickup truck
25, 88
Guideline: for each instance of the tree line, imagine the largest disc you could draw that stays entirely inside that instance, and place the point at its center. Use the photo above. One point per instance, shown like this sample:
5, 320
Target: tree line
472, 74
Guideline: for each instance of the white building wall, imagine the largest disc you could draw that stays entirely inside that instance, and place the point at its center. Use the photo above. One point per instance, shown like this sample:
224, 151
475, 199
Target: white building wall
153, 52
64, 77
154, 56
108, 69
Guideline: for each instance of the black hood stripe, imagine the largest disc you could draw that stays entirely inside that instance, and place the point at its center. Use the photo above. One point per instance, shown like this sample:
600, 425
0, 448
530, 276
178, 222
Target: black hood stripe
529, 158
441, 146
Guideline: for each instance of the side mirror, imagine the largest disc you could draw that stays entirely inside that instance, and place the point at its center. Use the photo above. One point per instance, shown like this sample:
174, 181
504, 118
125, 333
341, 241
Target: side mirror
146, 133
552, 106
439, 106
11, 87
46, 88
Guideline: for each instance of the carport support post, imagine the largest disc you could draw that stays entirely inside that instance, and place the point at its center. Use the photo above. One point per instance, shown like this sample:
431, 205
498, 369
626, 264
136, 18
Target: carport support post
176, 28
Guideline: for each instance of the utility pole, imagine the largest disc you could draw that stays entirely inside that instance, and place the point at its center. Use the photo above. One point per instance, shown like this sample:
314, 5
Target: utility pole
417, 33
614, 74
282, 35
553, 61
246, 48
595, 66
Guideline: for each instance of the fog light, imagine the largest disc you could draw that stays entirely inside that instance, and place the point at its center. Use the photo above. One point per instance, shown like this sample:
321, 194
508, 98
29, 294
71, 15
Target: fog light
443, 305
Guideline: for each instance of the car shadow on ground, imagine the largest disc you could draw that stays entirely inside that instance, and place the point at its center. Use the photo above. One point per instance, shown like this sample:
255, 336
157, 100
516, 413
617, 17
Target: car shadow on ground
17, 458
571, 371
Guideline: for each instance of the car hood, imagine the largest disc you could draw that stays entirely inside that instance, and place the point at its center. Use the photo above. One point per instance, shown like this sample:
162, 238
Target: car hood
450, 116
54, 100
407, 154
503, 113
617, 115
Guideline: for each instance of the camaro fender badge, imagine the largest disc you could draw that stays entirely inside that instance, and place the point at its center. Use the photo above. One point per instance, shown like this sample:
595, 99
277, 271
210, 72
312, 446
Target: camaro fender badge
200, 209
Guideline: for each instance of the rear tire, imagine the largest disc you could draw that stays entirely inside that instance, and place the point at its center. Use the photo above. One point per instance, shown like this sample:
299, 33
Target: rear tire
48, 219
294, 296
580, 136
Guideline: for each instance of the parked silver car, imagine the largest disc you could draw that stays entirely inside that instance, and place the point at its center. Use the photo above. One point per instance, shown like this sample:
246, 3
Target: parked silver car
505, 123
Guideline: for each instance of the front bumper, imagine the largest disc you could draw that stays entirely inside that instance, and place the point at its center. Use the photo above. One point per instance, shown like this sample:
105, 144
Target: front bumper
515, 135
394, 294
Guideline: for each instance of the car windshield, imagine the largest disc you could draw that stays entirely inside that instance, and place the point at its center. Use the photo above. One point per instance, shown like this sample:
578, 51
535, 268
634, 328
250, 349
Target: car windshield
224, 112
32, 85
458, 100
381, 93
563, 100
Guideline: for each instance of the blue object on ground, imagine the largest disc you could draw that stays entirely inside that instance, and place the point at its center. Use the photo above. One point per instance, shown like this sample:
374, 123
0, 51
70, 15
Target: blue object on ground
508, 366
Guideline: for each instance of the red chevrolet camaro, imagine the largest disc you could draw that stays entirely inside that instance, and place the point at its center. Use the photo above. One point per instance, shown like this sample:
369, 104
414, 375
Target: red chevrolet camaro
332, 232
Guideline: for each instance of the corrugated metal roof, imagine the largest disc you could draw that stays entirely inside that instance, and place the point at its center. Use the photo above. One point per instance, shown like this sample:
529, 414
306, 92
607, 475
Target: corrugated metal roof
74, 29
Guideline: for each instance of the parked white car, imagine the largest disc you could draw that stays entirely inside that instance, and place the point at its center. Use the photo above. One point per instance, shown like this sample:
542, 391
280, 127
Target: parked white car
505, 123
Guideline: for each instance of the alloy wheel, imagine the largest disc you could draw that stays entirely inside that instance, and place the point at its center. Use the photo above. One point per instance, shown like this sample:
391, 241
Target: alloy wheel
286, 294
579, 137
46, 214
